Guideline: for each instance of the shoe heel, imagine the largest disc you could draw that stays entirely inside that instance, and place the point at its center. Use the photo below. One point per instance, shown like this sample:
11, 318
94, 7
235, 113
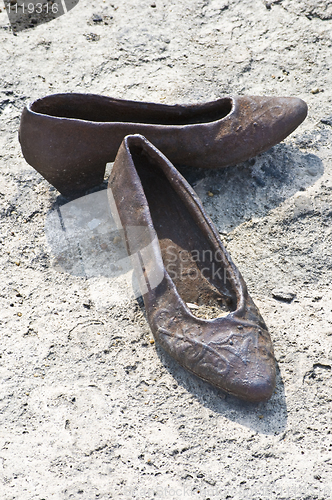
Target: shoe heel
67, 157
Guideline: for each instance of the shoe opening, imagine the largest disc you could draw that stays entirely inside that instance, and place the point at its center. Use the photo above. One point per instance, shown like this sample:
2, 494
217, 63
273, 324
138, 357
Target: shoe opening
103, 109
196, 267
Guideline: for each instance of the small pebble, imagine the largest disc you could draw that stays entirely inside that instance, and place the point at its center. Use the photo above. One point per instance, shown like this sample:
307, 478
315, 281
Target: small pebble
96, 18
327, 120
192, 306
91, 37
210, 194
283, 295
315, 91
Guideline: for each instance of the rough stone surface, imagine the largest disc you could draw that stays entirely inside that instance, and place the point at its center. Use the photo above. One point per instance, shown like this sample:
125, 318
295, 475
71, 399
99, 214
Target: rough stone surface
322, 9
90, 407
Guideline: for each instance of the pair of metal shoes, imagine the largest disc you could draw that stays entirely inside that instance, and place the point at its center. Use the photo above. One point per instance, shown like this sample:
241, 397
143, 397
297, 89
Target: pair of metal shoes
196, 300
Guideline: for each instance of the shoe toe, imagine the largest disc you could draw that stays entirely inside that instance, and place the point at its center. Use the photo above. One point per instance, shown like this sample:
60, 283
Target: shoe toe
248, 370
258, 123
274, 119
295, 112
282, 116
256, 385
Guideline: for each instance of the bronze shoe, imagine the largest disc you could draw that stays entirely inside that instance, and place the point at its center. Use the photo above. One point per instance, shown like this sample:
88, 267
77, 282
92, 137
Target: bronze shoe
69, 138
185, 272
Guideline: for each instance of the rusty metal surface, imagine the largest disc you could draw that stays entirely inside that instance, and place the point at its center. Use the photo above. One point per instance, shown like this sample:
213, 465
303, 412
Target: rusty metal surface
69, 138
233, 351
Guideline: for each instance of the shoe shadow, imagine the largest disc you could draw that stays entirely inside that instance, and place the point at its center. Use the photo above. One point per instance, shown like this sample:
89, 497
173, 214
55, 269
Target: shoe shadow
269, 418
234, 195
84, 239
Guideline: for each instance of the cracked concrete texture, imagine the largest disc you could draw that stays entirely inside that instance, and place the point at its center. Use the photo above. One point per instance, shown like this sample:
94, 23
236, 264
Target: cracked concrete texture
90, 407
321, 9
